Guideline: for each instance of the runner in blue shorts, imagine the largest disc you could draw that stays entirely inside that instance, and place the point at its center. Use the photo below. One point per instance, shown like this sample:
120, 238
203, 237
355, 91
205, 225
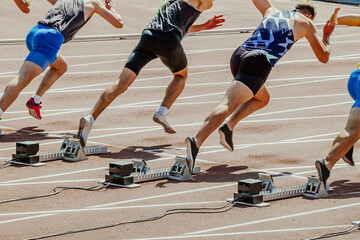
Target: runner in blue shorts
44, 40
343, 144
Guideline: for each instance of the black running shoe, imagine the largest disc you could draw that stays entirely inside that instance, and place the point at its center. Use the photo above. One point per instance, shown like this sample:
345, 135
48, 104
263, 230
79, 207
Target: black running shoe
191, 152
348, 158
323, 171
226, 137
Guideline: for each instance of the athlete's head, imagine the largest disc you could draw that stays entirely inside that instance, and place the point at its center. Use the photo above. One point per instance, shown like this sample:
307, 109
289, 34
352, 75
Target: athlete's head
306, 8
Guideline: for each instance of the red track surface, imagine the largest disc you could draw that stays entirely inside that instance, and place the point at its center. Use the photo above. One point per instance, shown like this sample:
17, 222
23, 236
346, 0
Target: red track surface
309, 106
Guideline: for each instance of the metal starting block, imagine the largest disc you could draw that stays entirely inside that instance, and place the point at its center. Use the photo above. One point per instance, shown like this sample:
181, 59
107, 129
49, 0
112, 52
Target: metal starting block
70, 150
141, 172
314, 188
250, 192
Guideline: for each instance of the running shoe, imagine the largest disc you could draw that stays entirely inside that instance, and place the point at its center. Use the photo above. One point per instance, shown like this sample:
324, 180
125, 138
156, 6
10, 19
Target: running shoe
226, 137
191, 152
163, 121
84, 130
34, 109
348, 158
323, 171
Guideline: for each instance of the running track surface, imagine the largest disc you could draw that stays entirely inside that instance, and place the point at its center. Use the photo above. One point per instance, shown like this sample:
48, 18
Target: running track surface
309, 106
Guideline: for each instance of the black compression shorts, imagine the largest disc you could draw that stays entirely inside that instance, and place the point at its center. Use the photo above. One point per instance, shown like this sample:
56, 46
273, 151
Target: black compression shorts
250, 67
153, 44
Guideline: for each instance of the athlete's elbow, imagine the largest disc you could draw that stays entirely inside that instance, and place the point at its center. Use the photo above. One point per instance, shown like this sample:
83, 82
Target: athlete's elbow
324, 58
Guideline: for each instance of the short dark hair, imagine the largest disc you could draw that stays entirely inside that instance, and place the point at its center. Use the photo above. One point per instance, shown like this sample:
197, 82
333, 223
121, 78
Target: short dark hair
307, 6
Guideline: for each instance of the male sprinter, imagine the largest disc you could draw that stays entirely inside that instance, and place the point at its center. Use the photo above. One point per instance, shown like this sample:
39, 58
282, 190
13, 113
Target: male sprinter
345, 140
251, 64
58, 26
160, 39
23, 5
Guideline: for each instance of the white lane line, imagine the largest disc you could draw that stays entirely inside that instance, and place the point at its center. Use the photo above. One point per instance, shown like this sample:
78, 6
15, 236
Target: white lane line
275, 218
48, 182
333, 58
222, 235
109, 208
164, 195
55, 175
303, 108
25, 218
298, 167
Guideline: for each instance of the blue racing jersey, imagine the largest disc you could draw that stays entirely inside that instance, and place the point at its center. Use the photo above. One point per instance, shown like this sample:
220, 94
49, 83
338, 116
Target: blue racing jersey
273, 37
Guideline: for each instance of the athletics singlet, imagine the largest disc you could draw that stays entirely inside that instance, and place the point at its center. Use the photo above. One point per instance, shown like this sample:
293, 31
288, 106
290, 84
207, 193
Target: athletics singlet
273, 37
174, 14
66, 16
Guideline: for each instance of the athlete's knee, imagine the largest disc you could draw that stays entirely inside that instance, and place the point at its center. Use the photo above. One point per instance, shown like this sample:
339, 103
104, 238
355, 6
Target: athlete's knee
181, 75
60, 66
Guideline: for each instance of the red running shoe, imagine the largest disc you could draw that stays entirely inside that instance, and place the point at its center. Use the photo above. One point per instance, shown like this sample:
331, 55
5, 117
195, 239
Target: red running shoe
34, 109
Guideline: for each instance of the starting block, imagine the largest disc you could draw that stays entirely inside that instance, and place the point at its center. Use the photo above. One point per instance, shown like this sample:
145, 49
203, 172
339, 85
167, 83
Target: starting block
70, 150
314, 188
256, 192
123, 174
1, 132
27, 154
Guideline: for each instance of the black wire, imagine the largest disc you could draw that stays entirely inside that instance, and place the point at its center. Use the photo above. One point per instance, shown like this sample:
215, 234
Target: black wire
165, 213
334, 234
56, 191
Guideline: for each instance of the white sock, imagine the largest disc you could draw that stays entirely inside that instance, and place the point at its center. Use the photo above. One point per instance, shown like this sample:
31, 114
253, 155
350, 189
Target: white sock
37, 98
92, 120
162, 110
1, 112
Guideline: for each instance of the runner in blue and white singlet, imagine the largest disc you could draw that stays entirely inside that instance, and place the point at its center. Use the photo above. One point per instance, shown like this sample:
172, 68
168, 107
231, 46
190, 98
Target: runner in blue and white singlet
273, 37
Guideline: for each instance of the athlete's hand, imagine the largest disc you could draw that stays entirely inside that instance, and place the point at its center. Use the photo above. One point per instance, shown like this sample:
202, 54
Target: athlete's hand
110, 4
333, 18
215, 22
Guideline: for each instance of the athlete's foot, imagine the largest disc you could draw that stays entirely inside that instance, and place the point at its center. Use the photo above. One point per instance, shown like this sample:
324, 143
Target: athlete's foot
191, 152
163, 121
323, 171
34, 108
226, 137
84, 130
348, 158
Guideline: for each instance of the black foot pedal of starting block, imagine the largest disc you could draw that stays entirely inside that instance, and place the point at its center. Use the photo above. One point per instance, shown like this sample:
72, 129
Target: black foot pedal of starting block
27, 154
120, 175
72, 150
314, 188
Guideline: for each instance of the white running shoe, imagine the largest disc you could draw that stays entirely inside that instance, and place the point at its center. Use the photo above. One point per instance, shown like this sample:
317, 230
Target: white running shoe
163, 121
84, 130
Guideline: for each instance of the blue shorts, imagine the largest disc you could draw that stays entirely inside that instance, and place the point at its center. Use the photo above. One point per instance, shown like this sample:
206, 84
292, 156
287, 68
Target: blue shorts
354, 87
44, 44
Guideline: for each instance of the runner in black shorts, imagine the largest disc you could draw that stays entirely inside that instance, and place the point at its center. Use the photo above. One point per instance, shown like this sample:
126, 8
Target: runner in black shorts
251, 64
160, 39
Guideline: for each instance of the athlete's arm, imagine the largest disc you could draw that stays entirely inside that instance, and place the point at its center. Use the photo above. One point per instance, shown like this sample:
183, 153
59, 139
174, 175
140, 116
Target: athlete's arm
265, 7
23, 5
205, 5
349, 20
320, 48
52, 2
210, 24
107, 12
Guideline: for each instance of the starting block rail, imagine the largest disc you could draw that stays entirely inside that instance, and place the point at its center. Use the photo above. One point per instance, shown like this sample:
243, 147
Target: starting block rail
125, 174
255, 192
70, 150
